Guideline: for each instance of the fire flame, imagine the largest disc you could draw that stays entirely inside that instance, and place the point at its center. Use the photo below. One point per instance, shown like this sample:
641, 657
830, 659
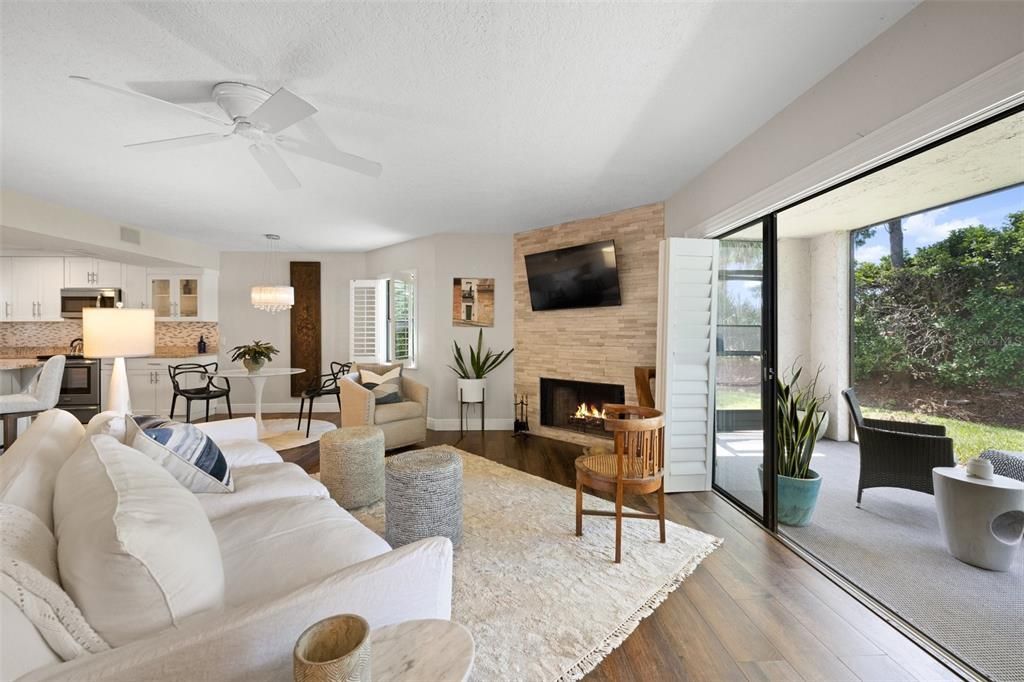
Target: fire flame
584, 411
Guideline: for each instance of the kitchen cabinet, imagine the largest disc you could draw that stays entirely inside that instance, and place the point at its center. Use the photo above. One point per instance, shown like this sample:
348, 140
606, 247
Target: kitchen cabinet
133, 289
35, 288
149, 384
92, 272
6, 312
183, 295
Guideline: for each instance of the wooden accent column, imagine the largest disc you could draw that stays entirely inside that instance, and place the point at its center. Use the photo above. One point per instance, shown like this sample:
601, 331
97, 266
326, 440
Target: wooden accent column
305, 324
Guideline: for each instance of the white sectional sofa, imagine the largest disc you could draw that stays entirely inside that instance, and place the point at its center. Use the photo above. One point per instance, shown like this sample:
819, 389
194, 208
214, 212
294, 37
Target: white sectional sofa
290, 554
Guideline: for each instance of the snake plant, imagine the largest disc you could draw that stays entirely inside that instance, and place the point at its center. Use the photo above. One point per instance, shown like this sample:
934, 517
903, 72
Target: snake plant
798, 417
481, 363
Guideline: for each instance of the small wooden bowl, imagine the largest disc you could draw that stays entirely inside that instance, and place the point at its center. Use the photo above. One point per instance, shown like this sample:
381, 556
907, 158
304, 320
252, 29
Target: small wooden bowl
336, 649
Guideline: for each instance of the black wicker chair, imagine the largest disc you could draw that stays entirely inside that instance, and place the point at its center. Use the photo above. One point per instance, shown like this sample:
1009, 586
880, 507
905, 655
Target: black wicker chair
325, 384
898, 454
210, 391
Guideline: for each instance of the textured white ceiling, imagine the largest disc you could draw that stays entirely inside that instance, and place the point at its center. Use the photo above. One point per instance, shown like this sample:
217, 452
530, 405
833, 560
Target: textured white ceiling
487, 117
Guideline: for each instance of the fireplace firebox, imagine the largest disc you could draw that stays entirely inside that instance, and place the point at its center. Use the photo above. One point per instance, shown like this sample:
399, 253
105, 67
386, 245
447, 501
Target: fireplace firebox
577, 405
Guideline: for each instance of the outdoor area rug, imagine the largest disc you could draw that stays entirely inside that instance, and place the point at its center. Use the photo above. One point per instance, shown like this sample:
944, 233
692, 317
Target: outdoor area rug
893, 549
543, 604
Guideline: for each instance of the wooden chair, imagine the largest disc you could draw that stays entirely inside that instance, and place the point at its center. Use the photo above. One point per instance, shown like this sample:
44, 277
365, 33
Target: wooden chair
636, 467
644, 393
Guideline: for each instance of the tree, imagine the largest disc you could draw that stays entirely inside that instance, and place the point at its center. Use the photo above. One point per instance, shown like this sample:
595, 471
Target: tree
895, 229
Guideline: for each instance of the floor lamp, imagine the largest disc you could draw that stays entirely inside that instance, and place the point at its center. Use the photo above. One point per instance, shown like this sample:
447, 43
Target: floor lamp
118, 333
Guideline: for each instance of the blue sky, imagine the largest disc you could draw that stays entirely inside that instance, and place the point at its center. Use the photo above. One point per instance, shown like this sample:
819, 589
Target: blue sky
929, 227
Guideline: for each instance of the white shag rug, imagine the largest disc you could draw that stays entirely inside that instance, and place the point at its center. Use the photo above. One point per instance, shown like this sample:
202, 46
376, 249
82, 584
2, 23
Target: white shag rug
543, 604
284, 435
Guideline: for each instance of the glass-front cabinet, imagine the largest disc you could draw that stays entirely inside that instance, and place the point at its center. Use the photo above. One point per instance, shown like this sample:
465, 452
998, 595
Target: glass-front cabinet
175, 296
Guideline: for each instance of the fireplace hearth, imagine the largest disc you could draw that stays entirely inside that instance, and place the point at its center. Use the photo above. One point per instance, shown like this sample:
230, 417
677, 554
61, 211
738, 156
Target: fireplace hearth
577, 405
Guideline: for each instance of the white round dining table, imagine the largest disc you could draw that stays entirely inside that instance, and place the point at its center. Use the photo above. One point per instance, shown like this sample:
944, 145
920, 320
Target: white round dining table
259, 379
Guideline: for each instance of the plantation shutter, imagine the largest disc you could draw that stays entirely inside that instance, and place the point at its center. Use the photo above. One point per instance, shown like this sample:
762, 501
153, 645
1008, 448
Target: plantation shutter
401, 340
687, 312
366, 310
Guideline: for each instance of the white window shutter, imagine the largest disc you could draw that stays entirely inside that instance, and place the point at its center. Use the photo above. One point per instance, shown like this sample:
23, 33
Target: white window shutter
367, 308
687, 316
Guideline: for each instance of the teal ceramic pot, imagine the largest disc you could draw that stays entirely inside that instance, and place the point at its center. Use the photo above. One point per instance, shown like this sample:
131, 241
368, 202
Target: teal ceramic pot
797, 498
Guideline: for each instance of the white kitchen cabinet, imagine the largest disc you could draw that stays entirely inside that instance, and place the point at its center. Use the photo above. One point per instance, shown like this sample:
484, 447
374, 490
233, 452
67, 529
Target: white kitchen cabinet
6, 311
133, 290
149, 385
183, 295
35, 288
82, 272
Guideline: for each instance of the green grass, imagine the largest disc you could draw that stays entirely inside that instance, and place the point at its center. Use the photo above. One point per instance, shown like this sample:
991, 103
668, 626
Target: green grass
732, 399
970, 439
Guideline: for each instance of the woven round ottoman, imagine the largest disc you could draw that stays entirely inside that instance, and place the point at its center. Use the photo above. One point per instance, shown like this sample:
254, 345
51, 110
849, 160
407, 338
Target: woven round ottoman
423, 496
352, 465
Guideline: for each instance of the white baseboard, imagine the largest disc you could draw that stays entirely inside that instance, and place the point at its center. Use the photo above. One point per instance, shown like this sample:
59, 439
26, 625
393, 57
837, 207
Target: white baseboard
435, 424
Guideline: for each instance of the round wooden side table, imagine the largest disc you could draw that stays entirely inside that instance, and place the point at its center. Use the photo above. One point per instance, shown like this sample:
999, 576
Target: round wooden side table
421, 650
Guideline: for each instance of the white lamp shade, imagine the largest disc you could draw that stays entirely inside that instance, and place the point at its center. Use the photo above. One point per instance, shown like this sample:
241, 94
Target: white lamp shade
118, 332
272, 298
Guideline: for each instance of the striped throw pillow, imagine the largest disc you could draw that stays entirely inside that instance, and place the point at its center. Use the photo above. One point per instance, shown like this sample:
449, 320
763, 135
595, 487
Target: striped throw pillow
386, 388
184, 451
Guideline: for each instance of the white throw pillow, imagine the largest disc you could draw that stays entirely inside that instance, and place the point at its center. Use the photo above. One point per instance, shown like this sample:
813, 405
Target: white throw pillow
28, 578
185, 451
134, 548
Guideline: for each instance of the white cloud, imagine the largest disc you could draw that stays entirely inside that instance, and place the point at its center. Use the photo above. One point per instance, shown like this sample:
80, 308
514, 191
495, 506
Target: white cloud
872, 253
925, 228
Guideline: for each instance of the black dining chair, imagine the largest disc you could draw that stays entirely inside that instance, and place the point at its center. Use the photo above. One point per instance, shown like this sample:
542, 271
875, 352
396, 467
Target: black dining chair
211, 390
319, 386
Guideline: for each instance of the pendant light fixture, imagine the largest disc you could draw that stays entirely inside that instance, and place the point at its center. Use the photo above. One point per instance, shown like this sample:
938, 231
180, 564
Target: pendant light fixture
272, 297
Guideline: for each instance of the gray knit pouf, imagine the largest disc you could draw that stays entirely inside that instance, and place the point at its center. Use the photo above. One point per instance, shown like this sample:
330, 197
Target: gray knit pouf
423, 496
352, 465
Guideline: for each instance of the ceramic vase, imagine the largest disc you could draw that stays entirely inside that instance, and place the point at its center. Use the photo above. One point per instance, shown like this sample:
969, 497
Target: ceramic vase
336, 649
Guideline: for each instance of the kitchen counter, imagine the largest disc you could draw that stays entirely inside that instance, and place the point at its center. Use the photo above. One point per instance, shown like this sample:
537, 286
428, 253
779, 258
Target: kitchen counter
28, 355
18, 363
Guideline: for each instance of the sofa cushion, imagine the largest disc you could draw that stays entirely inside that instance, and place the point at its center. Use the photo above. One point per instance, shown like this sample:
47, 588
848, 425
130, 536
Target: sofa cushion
134, 548
108, 423
29, 468
407, 409
29, 579
278, 546
187, 453
240, 452
386, 387
261, 483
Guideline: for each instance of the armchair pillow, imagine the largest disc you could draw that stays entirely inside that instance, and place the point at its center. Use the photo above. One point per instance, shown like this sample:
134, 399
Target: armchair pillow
186, 452
386, 388
135, 551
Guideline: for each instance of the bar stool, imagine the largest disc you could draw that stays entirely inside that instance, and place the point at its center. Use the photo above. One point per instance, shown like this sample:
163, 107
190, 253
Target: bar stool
41, 395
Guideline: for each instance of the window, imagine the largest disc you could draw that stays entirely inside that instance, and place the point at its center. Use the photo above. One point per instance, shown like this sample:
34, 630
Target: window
401, 318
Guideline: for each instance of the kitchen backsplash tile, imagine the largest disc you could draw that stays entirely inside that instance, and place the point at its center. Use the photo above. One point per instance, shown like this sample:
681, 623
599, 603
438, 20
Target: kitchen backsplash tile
27, 339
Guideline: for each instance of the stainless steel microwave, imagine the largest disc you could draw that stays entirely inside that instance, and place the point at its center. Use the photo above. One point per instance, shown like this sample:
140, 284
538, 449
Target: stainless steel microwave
74, 301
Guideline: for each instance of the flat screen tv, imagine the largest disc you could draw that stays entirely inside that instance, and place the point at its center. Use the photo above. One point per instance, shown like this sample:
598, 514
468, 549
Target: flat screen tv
583, 276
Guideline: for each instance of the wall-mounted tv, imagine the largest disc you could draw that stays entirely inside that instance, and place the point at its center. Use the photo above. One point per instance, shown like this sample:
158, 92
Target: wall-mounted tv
583, 276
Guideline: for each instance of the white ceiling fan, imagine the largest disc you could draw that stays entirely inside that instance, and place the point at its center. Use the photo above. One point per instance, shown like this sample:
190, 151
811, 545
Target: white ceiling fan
259, 117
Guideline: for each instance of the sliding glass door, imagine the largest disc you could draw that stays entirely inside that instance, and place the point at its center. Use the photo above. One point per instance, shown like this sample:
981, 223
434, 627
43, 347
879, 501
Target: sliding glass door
741, 369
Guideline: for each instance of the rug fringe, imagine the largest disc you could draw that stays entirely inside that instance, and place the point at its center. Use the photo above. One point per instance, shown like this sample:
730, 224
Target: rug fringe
618, 635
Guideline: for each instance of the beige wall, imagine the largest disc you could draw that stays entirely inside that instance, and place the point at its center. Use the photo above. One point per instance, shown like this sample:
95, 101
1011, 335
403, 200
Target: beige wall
932, 50
593, 344
437, 260
240, 323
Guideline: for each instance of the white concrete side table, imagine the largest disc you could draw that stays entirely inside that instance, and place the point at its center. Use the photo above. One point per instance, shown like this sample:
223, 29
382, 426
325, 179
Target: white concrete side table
420, 651
982, 520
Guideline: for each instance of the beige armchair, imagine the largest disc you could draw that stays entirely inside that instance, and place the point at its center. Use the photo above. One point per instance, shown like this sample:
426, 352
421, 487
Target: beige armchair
403, 423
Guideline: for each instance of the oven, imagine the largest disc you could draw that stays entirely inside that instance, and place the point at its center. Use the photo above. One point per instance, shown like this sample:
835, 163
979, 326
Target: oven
80, 387
74, 301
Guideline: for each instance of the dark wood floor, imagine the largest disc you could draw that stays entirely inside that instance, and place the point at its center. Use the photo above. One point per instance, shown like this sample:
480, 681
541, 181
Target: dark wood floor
753, 610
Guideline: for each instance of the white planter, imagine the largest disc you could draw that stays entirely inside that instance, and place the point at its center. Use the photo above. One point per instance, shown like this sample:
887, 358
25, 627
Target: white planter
471, 390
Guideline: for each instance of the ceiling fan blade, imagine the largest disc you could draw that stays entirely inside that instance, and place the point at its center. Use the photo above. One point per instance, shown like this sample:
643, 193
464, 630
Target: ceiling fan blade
284, 108
274, 166
176, 142
333, 156
151, 100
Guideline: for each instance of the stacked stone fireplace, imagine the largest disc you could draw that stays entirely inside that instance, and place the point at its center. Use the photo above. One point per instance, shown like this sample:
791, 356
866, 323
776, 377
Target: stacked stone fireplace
588, 347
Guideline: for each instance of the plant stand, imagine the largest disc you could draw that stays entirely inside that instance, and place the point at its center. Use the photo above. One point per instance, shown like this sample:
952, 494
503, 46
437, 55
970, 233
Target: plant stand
462, 405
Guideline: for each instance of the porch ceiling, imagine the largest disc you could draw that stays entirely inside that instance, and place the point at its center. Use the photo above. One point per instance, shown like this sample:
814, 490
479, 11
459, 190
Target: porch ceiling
985, 160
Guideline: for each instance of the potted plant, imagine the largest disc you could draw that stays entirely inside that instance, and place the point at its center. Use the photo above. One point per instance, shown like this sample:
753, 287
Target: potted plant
481, 363
254, 355
808, 393
798, 418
